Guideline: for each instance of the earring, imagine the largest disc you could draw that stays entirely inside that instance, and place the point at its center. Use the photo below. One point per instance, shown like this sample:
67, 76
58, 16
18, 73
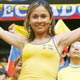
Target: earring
29, 30
50, 29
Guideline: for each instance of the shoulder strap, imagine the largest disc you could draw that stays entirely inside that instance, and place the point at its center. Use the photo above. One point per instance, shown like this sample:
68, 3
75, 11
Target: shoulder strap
54, 42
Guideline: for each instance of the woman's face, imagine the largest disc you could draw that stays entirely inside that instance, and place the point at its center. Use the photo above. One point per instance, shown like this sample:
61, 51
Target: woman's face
18, 68
40, 20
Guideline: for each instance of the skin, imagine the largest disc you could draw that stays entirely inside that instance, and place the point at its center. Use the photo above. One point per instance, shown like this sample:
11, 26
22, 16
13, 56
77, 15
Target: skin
38, 21
40, 27
3, 77
17, 70
74, 53
11, 28
62, 61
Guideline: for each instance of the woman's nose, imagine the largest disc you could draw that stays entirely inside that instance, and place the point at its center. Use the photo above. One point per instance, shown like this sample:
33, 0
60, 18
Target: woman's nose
39, 19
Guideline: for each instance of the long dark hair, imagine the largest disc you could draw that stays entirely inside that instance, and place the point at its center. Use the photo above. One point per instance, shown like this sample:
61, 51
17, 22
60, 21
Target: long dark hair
33, 6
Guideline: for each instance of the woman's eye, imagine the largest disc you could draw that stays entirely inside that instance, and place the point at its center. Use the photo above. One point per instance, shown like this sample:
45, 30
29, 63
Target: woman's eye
43, 16
34, 17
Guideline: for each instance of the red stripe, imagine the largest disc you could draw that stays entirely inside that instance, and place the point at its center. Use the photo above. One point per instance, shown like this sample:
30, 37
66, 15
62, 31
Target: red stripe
75, 16
11, 68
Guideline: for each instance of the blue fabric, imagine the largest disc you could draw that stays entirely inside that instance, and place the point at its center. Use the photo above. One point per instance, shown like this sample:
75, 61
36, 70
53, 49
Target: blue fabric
14, 53
66, 64
4, 71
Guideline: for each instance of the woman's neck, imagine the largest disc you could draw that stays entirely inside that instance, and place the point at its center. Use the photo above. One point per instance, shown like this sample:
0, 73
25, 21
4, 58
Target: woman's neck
42, 38
42, 35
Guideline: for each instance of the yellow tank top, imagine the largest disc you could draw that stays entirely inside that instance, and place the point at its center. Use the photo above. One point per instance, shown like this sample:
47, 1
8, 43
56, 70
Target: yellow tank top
40, 61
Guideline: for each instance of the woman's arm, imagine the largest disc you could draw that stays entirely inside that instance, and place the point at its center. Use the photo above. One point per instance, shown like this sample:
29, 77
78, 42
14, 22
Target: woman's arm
67, 38
11, 38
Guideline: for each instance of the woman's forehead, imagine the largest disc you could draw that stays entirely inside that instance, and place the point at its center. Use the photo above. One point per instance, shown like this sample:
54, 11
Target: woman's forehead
40, 8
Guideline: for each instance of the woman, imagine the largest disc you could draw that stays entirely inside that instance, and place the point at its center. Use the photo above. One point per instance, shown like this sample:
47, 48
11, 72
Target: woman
42, 48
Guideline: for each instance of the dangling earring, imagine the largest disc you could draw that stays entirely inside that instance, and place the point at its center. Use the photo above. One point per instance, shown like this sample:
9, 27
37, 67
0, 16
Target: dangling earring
50, 29
29, 29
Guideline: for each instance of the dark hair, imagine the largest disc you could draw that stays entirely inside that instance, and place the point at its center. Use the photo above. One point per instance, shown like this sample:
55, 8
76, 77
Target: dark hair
71, 45
69, 48
17, 60
33, 6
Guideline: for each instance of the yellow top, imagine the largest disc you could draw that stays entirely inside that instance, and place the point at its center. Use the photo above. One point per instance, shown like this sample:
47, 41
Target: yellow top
40, 61
69, 73
1, 67
10, 78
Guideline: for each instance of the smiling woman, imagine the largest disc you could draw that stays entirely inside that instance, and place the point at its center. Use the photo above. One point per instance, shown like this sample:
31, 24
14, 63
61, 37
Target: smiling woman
40, 18
42, 48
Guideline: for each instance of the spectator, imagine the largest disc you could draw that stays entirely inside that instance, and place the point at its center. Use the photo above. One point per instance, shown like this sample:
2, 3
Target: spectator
17, 69
71, 72
4, 59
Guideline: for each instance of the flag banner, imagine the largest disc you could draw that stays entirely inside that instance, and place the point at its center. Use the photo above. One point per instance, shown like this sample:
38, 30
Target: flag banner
14, 54
20, 30
10, 12
61, 27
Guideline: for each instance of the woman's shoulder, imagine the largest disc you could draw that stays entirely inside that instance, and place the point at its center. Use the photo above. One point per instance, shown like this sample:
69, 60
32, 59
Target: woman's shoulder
57, 38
